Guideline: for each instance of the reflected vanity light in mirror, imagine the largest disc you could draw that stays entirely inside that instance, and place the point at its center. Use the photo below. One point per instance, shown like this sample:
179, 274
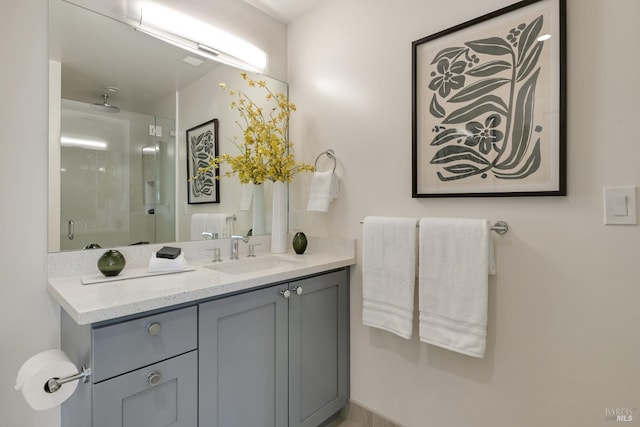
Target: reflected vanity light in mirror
199, 37
89, 144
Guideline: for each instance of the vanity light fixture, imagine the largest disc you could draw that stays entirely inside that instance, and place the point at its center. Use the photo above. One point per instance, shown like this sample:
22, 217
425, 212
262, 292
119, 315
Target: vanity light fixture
200, 38
89, 144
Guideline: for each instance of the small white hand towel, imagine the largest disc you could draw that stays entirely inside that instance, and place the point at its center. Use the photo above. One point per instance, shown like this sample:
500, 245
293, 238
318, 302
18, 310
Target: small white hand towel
324, 189
246, 196
455, 262
389, 274
165, 265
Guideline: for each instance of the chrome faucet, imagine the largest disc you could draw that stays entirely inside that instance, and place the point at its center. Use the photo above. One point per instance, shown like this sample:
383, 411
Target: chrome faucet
234, 245
206, 235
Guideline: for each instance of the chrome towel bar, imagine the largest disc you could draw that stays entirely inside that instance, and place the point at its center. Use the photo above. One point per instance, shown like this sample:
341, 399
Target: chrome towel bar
500, 227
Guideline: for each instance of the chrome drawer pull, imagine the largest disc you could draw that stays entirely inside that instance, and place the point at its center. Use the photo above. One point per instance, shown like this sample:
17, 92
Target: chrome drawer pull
154, 329
153, 378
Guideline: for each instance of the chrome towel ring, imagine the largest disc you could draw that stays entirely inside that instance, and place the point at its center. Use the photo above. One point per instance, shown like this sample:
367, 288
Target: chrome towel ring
330, 154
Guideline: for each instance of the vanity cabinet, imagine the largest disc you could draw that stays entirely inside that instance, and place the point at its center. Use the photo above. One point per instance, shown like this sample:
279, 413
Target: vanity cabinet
277, 356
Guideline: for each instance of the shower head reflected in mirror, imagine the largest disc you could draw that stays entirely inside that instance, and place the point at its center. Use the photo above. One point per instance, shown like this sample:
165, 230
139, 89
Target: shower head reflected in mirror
104, 106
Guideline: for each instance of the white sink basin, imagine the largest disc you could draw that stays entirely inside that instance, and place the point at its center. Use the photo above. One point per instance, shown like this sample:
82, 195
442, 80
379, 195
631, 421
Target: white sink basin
254, 265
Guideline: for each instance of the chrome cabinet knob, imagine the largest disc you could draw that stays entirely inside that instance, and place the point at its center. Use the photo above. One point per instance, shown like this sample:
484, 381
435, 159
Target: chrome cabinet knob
154, 378
286, 293
154, 329
298, 290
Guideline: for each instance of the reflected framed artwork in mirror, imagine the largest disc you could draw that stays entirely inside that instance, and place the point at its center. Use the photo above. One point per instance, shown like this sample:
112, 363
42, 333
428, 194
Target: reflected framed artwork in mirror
489, 105
202, 147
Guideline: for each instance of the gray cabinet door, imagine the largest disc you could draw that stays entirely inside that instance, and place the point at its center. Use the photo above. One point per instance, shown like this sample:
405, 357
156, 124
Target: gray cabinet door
318, 348
163, 394
243, 360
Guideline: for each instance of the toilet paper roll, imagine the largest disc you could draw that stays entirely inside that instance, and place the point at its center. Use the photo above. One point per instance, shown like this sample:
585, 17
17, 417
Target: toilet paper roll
34, 374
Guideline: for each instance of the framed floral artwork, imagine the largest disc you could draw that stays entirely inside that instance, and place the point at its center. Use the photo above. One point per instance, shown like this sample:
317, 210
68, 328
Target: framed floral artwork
202, 146
489, 105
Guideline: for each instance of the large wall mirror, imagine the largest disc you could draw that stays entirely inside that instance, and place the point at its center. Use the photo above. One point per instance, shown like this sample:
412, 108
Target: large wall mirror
120, 103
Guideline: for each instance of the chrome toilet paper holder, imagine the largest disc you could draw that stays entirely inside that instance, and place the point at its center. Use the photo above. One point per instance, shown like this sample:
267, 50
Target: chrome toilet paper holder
54, 384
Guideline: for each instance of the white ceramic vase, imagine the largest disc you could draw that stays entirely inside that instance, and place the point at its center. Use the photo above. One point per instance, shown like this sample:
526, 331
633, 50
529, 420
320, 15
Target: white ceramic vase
279, 218
259, 226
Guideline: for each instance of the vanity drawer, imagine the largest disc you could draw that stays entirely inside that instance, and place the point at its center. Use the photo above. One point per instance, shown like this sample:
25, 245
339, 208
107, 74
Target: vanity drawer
130, 345
162, 394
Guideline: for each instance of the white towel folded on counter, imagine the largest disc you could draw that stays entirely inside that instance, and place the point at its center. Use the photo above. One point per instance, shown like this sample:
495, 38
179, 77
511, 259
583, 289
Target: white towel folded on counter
166, 265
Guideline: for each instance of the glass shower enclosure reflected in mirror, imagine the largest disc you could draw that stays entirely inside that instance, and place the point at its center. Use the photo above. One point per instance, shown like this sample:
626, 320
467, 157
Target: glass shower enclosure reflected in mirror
117, 178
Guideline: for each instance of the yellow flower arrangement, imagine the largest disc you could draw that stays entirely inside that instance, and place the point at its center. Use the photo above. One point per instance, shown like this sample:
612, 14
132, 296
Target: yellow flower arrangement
265, 150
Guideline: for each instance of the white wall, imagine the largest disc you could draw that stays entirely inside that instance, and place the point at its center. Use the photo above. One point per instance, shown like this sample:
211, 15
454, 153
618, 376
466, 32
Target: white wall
562, 337
28, 316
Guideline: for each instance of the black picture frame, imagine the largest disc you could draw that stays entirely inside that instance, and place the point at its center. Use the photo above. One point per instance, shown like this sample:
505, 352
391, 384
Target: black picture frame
489, 105
202, 147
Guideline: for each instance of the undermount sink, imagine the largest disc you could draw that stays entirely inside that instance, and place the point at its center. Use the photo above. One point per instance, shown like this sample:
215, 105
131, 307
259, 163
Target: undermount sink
253, 265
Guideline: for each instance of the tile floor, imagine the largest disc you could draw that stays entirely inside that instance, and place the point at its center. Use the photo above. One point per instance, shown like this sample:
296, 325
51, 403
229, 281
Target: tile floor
341, 422
354, 415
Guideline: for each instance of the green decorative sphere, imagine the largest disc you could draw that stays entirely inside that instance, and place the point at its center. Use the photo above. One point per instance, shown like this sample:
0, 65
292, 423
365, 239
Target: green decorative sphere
299, 243
111, 263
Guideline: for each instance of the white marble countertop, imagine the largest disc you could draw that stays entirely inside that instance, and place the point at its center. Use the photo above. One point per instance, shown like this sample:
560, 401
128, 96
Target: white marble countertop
98, 302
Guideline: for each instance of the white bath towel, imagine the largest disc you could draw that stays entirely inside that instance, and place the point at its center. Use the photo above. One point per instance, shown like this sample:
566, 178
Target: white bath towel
389, 274
211, 223
246, 196
324, 189
453, 283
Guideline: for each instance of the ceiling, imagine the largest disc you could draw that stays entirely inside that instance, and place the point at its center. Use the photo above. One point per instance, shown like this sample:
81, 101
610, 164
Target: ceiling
285, 10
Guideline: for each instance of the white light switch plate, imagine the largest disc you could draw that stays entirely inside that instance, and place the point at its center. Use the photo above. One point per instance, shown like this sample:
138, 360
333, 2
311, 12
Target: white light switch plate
620, 205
